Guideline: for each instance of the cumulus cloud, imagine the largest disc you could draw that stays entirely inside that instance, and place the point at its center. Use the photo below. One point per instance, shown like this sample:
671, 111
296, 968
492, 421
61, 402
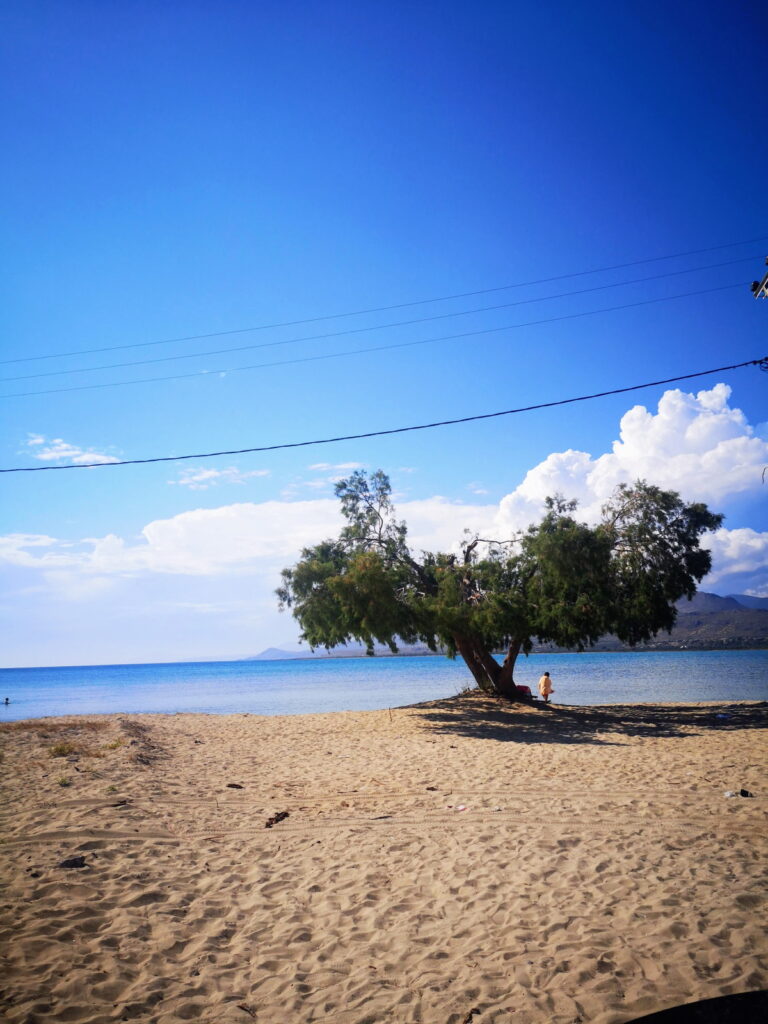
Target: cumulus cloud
437, 524
200, 478
233, 538
695, 444
742, 556
58, 450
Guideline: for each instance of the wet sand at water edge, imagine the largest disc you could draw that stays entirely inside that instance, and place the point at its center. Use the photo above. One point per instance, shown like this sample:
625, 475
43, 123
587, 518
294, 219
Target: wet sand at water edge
537, 866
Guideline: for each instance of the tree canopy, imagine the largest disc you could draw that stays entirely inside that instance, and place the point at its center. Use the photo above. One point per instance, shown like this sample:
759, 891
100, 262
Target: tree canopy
560, 580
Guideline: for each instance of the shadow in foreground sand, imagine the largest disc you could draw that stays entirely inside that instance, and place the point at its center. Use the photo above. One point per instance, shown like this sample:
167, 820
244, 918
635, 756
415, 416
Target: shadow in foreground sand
482, 717
742, 1008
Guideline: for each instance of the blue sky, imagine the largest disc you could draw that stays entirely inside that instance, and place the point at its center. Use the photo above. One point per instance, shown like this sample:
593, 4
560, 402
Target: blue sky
174, 170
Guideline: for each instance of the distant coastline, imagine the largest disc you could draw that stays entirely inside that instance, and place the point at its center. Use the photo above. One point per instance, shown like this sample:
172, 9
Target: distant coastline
706, 623
274, 654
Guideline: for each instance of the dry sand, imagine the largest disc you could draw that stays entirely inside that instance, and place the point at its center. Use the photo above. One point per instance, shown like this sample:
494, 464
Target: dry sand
596, 873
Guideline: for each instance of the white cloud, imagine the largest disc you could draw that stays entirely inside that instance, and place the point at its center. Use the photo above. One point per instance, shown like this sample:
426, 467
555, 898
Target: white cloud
232, 538
14, 551
697, 444
437, 524
741, 552
340, 467
58, 450
259, 539
694, 444
200, 478
302, 484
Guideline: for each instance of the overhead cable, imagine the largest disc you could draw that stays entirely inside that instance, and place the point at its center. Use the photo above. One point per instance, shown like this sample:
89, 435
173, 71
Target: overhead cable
373, 348
375, 327
387, 308
761, 362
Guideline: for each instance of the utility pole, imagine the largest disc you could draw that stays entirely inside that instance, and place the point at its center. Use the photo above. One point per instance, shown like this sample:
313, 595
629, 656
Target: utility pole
760, 288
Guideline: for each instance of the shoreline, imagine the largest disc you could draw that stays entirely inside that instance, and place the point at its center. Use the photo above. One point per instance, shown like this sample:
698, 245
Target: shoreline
499, 703
308, 686
538, 864
656, 649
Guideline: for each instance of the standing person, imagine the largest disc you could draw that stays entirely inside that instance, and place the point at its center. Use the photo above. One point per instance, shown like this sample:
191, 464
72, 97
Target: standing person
545, 687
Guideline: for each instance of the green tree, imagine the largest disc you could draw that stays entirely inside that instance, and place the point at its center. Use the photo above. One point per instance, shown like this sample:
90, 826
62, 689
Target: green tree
560, 580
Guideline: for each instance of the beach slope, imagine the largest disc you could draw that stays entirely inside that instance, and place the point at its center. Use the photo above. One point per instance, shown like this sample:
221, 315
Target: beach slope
533, 865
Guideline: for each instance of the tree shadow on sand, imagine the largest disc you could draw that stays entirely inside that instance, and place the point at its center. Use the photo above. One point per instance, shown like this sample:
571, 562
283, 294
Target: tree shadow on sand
480, 717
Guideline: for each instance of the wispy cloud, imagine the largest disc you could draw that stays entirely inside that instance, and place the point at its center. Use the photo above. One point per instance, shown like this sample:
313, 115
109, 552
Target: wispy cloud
332, 473
335, 467
56, 449
199, 478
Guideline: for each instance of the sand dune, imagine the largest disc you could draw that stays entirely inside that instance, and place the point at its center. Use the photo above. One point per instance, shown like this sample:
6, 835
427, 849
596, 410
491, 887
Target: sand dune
534, 865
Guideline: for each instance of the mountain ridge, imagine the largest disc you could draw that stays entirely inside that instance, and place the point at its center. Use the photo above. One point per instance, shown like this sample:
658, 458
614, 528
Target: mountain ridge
706, 622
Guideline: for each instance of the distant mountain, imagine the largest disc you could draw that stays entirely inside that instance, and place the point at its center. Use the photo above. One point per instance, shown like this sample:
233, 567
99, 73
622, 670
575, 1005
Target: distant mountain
352, 650
708, 622
703, 603
275, 654
711, 622
750, 602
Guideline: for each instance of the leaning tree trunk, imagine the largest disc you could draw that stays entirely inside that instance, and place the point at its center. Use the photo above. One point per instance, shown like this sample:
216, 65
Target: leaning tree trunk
488, 673
467, 650
505, 683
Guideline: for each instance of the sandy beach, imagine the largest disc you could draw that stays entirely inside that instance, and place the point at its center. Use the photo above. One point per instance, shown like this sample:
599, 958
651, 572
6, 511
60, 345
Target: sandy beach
533, 865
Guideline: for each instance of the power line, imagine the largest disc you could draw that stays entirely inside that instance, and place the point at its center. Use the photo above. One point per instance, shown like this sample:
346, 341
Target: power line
384, 309
376, 327
762, 363
373, 348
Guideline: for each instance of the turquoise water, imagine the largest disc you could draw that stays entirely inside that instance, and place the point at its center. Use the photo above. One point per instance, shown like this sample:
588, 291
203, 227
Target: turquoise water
345, 684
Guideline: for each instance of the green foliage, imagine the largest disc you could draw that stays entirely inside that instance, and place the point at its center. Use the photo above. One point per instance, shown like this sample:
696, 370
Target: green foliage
656, 558
568, 581
559, 581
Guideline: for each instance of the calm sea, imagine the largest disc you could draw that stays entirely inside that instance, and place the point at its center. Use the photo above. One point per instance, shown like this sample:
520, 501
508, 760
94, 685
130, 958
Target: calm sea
345, 684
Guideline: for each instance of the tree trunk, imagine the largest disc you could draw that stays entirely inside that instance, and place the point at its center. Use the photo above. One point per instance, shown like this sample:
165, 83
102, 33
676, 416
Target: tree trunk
505, 683
489, 663
467, 651
480, 662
